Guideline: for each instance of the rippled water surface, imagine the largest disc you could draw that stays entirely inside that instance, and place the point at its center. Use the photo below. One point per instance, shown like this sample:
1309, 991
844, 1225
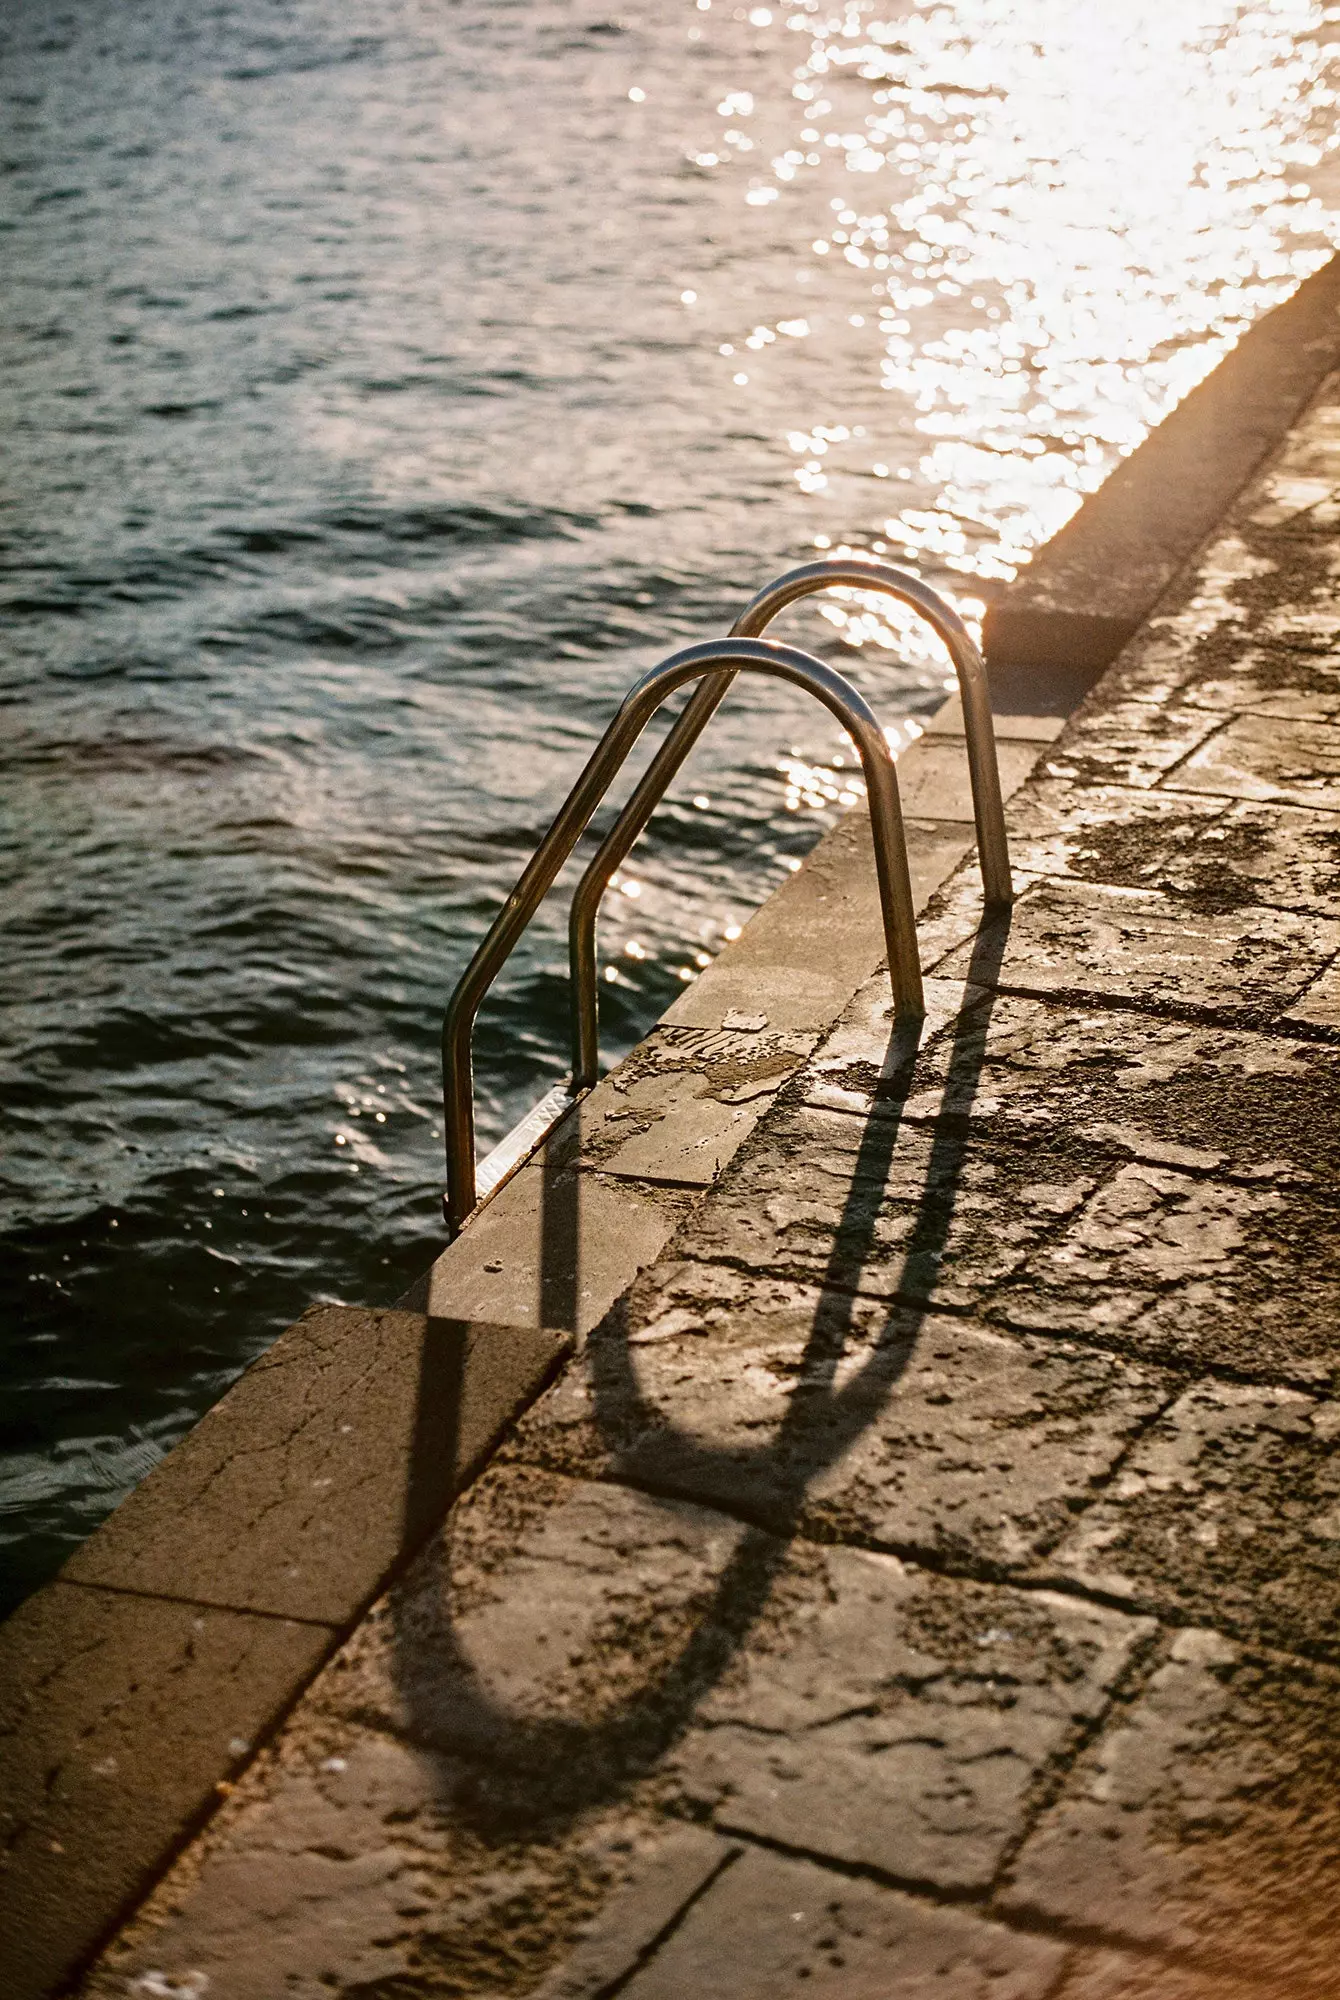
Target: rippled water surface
384, 387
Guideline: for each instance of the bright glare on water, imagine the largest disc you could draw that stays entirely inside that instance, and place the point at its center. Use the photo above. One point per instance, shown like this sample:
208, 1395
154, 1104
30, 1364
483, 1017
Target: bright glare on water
386, 386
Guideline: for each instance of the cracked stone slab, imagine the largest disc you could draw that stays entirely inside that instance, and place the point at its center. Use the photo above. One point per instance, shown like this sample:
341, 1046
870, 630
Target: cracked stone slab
121, 1717
347, 1863
1126, 743
1271, 680
771, 1925
631, 1927
894, 1210
1228, 1509
552, 1632
1215, 1100
1318, 1009
685, 1101
1147, 949
1283, 856
896, 1721
1265, 757
1180, 1269
334, 1455
1204, 1820
1221, 857
924, 1434
574, 1639
1103, 833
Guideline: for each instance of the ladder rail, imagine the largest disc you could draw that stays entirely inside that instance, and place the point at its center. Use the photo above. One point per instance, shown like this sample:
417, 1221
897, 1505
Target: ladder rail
716, 660
857, 572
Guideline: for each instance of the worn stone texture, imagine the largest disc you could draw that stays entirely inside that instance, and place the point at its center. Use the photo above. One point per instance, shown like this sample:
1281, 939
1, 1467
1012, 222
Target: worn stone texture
1204, 1820
797, 1408
1262, 1109
898, 1211
829, 1699
1227, 1510
1121, 1975
330, 1460
1150, 949
771, 1926
126, 1713
1266, 757
1217, 855
936, 1517
682, 1104
351, 1864
1178, 1268
899, 1722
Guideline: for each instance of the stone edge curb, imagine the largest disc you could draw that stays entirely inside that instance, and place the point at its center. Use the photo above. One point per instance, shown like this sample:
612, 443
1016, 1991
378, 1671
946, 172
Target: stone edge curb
1096, 581
137, 1686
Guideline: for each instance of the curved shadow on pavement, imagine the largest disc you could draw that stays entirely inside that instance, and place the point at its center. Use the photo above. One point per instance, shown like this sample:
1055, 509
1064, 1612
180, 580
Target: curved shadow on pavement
536, 1776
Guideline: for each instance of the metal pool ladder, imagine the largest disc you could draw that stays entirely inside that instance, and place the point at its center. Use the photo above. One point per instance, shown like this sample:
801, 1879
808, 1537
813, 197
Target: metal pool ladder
713, 666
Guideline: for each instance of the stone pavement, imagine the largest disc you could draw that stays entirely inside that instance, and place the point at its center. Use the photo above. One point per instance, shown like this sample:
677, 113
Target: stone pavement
924, 1579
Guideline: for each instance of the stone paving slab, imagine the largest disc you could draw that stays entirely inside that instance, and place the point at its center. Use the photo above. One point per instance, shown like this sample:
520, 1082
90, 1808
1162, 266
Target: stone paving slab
1259, 1108
922, 1434
897, 1211
354, 1865
772, 1926
1143, 948
124, 1711
1218, 856
1128, 743
1191, 1273
1204, 1819
622, 1633
1262, 757
899, 1722
680, 1107
1228, 1509
554, 1248
329, 1461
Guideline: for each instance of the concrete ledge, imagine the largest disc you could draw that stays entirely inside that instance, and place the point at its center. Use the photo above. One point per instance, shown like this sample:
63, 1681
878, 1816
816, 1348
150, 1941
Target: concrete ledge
324, 1466
135, 1687
1094, 584
120, 1719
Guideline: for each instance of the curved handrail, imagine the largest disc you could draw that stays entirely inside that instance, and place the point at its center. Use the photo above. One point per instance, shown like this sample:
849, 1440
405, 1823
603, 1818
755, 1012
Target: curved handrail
693, 663
861, 573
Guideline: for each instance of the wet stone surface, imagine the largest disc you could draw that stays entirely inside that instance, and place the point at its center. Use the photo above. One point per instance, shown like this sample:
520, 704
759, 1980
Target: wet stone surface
1203, 1820
926, 1435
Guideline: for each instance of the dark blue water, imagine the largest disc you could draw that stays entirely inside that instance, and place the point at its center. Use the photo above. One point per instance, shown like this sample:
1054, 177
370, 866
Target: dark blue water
384, 388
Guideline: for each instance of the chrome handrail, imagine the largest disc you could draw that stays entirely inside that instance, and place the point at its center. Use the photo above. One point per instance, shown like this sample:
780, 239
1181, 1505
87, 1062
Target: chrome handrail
861, 573
722, 659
